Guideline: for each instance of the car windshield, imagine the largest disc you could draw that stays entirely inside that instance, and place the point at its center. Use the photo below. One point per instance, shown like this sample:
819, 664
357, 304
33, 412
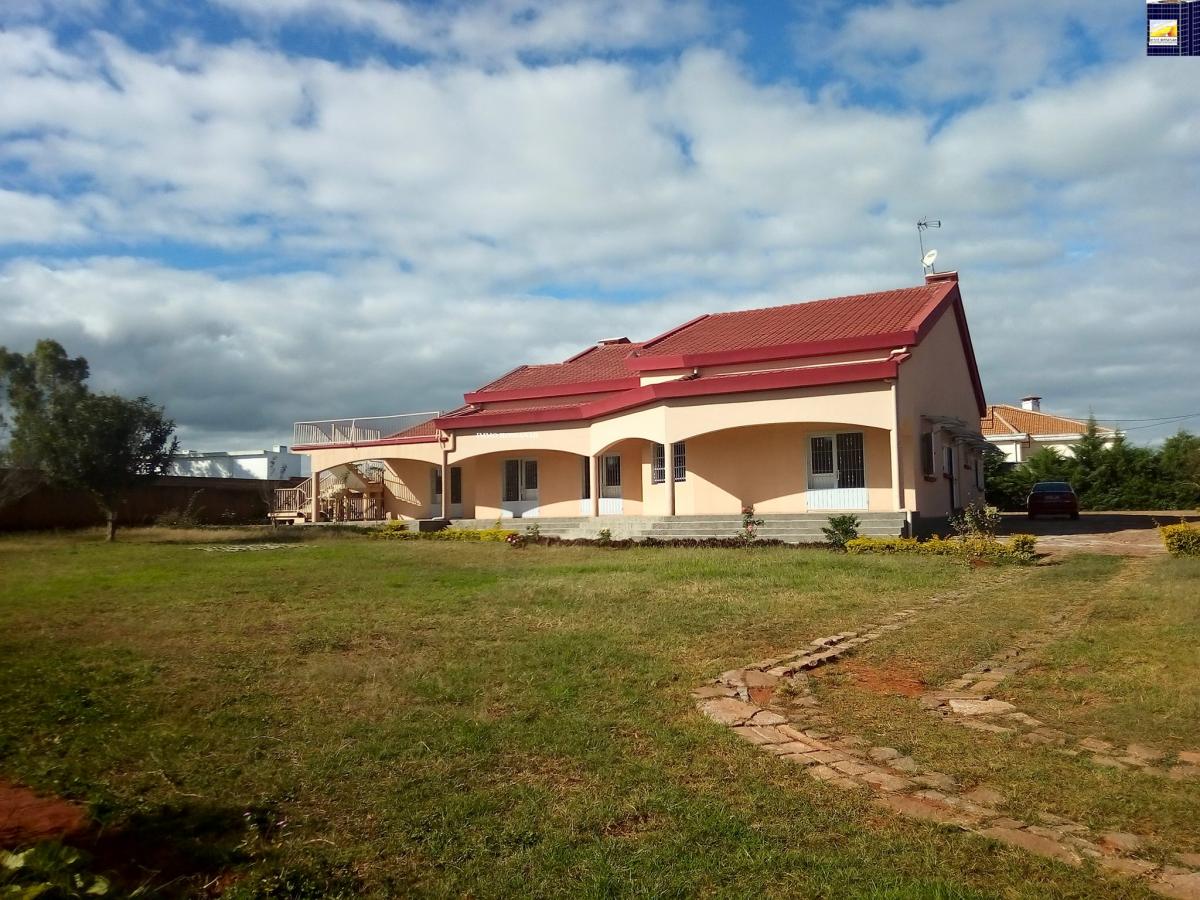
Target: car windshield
1051, 487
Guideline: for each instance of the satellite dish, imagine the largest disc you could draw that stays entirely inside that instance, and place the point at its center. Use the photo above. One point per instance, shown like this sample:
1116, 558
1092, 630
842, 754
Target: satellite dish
928, 259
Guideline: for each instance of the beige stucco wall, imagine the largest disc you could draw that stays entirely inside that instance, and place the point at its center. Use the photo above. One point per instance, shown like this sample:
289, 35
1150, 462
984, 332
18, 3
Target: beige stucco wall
520, 439
408, 488
936, 381
868, 404
328, 458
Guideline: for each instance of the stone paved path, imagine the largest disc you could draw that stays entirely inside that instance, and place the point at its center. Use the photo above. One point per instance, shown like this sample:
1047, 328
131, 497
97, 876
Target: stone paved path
246, 548
769, 704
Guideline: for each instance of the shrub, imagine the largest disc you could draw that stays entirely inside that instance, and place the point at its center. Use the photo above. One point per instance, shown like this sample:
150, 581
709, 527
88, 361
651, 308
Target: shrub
533, 532
465, 535
840, 530
976, 520
516, 541
188, 517
604, 537
1021, 549
1182, 539
750, 526
393, 526
1024, 544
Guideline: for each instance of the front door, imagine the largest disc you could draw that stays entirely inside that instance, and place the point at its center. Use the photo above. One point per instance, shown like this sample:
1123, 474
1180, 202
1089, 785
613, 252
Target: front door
435, 493
837, 471
456, 501
520, 488
610, 485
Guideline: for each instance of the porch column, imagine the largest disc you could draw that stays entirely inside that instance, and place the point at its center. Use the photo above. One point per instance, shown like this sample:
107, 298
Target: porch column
315, 497
897, 475
445, 486
894, 439
595, 485
669, 465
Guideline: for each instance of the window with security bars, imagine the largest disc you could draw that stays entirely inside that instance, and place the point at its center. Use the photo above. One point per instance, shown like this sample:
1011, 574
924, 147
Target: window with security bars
658, 463
928, 461
456, 485
611, 470
679, 461
437, 482
821, 455
587, 478
851, 463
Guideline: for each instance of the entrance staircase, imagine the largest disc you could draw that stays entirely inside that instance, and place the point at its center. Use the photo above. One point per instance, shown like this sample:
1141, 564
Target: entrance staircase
348, 493
793, 528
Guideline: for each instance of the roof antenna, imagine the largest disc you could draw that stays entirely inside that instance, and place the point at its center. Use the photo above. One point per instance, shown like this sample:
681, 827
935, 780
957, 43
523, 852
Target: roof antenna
927, 259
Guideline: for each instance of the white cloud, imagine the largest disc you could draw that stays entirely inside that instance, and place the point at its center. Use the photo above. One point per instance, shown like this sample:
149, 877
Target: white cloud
498, 29
963, 48
435, 202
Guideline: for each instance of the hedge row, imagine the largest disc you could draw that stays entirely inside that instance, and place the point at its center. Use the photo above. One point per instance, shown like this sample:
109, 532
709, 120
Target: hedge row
1181, 539
398, 531
1020, 548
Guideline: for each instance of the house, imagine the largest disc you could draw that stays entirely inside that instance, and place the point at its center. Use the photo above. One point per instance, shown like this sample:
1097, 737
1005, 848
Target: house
1021, 431
866, 404
278, 464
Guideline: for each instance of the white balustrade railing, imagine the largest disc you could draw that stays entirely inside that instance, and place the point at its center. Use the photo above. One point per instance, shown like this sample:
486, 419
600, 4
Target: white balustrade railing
359, 430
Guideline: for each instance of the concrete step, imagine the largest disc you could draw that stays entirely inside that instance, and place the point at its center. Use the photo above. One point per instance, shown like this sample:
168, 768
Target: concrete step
792, 528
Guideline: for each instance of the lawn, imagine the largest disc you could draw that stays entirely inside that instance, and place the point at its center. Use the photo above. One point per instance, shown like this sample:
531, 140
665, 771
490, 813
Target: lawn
367, 718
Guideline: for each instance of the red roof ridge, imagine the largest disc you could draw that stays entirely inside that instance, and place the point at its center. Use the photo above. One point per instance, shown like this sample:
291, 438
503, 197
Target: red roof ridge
678, 328
1004, 420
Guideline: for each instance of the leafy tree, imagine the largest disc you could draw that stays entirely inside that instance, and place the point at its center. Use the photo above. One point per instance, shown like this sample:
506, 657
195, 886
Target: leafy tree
1180, 461
1106, 473
64, 435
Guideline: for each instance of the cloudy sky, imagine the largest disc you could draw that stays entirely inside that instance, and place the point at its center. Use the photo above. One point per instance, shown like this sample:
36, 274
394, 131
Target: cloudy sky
258, 211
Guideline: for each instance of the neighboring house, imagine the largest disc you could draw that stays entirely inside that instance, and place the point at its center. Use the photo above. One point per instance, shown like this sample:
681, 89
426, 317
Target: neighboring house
865, 404
1021, 431
266, 465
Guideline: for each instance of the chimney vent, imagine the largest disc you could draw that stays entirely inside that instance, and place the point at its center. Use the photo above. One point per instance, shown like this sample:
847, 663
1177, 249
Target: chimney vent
933, 277
1033, 403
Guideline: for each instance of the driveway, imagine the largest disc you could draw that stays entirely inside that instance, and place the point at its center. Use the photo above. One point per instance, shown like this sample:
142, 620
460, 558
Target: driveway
1123, 533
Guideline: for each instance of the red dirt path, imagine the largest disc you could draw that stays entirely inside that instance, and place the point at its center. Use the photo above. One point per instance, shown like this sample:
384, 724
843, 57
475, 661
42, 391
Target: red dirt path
26, 818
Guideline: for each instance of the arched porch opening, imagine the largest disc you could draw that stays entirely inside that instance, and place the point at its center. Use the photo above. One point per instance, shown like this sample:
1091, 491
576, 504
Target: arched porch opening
785, 467
518, 483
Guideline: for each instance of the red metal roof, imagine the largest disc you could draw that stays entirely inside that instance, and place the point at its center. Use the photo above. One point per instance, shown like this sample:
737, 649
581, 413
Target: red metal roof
835, 325
599, 363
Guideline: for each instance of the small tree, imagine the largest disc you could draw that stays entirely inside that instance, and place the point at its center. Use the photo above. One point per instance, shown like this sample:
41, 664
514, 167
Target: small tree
68, 437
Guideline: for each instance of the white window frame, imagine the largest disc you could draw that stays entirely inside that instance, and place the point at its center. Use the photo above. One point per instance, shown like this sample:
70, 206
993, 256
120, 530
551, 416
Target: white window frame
610, 491
834, 497
525, 494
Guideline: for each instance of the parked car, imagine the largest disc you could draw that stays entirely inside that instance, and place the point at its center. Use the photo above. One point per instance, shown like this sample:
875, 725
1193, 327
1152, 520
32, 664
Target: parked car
1050, 498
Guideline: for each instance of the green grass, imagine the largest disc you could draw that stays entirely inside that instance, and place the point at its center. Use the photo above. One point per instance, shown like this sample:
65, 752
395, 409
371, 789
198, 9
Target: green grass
1130, 673
379, 718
